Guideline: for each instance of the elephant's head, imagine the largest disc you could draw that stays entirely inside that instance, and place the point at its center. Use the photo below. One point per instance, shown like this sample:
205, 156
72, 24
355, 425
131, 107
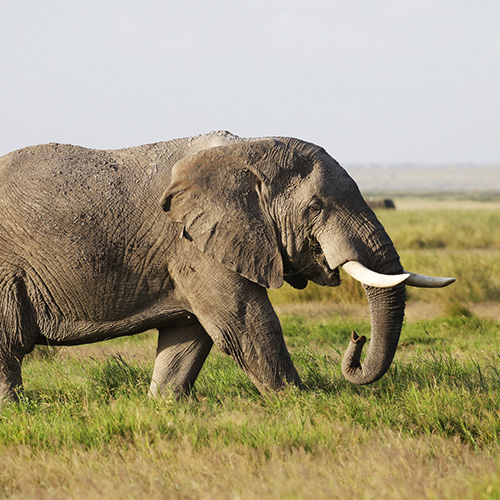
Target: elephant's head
282, 209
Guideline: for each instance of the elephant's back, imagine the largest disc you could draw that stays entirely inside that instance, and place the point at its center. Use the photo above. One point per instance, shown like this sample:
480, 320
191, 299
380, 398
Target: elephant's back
59, 178
53, 169
71, 197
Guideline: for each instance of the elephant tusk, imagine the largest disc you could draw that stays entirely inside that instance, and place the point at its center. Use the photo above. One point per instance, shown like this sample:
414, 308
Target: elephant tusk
422, 281
368, 277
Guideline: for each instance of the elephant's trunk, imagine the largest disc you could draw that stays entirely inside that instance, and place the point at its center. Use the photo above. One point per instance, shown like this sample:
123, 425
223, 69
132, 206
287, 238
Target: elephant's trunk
387, 306
378, 267
387, 310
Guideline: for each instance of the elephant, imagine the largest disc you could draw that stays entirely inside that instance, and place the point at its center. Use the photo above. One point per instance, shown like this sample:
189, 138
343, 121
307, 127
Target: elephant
375, 203
185, 237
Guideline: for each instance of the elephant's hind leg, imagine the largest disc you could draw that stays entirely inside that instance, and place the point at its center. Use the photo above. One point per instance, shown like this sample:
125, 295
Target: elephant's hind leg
17, 332
181, 352
10, 377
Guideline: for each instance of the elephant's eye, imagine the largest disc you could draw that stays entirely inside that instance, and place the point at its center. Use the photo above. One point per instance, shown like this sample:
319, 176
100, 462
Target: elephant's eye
315, 207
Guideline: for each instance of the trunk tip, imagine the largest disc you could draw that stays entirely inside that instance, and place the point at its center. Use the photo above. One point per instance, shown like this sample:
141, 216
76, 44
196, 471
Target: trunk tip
351, 363
356, 339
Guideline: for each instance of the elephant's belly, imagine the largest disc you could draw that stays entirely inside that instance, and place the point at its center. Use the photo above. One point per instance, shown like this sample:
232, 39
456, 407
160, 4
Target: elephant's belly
76, 332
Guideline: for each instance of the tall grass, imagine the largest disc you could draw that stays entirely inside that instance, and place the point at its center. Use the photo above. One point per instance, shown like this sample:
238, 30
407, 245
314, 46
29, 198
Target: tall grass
443, 229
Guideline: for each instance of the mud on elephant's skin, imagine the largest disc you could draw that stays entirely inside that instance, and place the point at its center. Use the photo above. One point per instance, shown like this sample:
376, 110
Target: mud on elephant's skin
87, 253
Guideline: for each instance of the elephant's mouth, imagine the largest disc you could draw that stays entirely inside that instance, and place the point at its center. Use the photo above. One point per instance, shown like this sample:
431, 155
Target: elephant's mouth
304, 268
332, 274
332, 277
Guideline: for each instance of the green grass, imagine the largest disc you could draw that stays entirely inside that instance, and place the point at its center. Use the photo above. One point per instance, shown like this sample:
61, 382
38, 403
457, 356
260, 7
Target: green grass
429, 429
63, 398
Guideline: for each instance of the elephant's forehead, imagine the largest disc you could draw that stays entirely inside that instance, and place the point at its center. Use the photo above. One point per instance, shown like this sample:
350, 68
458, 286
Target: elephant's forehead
329, 177
330, 182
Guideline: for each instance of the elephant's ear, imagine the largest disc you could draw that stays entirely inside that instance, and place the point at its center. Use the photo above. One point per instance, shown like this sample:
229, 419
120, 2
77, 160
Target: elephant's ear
220, 196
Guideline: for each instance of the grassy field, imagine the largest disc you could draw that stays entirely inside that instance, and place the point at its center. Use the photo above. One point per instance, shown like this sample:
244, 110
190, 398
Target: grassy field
430, 429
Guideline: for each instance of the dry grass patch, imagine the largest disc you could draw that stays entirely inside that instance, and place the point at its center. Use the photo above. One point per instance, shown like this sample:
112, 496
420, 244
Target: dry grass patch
360, 465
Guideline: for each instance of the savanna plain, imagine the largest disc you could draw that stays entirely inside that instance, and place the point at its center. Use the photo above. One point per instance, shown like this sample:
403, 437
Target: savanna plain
430, 429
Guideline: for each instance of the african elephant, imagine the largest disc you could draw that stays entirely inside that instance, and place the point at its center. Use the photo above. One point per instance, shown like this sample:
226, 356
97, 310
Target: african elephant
88, 254
375, 203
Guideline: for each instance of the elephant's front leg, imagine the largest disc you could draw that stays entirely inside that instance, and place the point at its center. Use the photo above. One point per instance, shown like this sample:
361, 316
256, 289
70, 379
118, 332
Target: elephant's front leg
243, 324
182, 350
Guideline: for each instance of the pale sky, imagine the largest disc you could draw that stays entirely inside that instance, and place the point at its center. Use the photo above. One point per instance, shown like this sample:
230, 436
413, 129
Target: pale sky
371, 81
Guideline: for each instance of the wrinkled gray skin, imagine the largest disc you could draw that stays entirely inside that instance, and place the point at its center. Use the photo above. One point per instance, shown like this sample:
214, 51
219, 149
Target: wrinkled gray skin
87, 254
